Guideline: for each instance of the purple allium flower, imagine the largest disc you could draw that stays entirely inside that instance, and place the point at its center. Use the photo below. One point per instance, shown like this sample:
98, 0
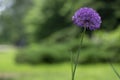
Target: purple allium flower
87, 17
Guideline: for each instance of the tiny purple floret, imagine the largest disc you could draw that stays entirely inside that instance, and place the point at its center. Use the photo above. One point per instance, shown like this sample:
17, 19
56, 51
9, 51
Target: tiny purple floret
87, 17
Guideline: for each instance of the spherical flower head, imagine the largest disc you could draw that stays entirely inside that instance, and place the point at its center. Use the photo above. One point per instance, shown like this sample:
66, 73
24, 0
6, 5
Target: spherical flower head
87, 17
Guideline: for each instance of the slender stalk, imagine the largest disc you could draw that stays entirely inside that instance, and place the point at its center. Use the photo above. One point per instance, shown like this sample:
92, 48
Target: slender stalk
77, 55
72, 62
114, 70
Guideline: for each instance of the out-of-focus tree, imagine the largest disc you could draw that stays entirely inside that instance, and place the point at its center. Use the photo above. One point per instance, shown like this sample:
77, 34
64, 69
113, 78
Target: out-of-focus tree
49, 21
12, 27
43, 18
4, 31
49, 16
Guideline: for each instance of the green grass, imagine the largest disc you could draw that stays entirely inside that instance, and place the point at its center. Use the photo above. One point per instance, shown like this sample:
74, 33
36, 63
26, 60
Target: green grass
52, 72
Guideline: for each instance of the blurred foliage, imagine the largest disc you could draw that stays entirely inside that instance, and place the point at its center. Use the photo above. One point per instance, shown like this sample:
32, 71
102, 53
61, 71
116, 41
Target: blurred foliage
47, 24
36, 20
57, 15
11, 25
100, 48
52, 17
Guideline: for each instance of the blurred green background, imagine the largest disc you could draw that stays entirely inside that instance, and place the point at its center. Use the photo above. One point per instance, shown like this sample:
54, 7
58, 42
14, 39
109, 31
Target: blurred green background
38, 36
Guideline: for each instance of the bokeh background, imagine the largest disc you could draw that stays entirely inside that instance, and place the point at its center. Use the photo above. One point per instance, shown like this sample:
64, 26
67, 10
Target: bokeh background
38, 36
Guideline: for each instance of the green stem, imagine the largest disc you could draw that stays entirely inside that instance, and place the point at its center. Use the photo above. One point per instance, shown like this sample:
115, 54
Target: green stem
77, 55
114, 70
72, 62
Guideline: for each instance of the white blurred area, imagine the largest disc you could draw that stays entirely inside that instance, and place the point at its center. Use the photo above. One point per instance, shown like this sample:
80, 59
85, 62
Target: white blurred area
6, 48
5, 4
